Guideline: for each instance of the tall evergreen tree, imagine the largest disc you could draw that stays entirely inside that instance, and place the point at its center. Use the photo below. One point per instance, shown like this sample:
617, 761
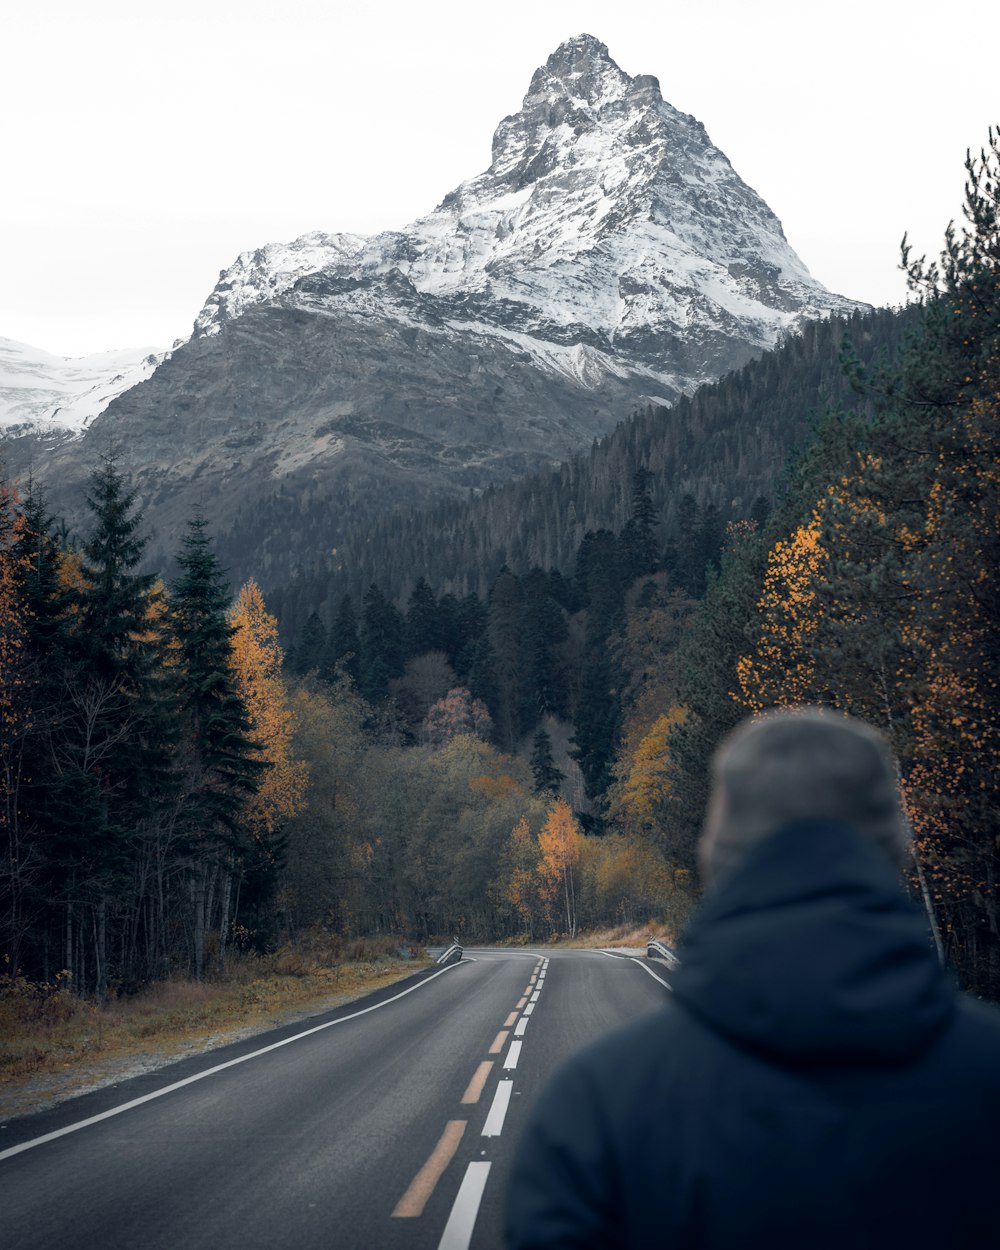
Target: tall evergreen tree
423, 631
547, 777
345, 645
222, 769
310, 655
639, 534
114, 749
514, 712
382, 645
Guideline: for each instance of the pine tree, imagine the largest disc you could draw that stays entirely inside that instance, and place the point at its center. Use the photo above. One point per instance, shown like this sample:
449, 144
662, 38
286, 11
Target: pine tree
422, 626
382, 646
707, 662
310, 655
547, 777
597, 714
639, 534
514, 713
345, 646
222, 766
114, 746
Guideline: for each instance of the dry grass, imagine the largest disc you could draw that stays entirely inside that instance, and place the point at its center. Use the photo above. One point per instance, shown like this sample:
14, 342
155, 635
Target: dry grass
626, 935
45, 1030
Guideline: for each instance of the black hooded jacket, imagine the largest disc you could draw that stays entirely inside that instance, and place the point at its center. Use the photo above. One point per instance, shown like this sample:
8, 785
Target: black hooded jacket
815, 1082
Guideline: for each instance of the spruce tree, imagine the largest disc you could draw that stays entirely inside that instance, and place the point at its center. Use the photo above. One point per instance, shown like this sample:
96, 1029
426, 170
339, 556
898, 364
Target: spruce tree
639, 534
345, 646
221, 767
422, 627
115, 766
310, 655
547, 778
382, 645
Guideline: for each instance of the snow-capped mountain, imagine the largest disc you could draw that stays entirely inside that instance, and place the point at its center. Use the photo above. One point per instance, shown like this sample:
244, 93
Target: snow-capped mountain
42, 394
607, 223
609, 258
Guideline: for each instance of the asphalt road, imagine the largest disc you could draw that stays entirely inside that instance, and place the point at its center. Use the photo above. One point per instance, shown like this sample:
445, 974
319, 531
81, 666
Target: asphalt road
390, 1123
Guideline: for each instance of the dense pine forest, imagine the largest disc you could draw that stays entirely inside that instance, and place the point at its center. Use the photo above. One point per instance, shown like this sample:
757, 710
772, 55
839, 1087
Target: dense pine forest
725, 447
495, 719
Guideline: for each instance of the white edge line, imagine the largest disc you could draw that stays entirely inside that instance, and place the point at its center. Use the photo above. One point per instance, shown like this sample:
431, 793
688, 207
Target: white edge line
219, 1067
646, 968
612, 955
458, 1231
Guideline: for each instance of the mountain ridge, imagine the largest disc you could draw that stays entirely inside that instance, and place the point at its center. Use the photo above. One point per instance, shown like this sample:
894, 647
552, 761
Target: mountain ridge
609, 259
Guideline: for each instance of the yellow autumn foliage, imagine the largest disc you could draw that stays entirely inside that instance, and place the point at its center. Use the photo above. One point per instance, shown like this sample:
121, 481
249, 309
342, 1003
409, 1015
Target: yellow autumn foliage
257, 660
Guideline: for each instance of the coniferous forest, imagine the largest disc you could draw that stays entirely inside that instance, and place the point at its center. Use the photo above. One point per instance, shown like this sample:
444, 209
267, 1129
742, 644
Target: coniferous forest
495, 719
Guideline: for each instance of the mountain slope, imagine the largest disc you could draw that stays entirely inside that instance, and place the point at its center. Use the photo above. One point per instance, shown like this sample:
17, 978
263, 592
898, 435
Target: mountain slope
610, 258
726, 445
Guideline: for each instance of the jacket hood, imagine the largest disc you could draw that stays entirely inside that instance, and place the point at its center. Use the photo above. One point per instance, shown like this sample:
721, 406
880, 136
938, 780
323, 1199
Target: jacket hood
810, 951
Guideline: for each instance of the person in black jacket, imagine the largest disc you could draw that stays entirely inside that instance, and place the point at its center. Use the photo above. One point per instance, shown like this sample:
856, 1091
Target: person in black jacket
815, 1081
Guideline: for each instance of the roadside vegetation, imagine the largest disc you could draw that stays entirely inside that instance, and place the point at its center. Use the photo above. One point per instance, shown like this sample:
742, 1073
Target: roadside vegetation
46, 1029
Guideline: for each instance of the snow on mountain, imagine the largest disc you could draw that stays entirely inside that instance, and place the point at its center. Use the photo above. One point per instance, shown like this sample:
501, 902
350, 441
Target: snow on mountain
609, 258
607, 218
42, 393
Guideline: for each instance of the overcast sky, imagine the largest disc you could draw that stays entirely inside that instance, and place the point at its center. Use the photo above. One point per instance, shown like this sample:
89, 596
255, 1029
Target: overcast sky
145, 146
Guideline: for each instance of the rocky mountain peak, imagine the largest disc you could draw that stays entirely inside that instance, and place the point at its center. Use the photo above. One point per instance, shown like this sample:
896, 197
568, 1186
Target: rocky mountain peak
577, 90
608, 259
581, 69
606, 217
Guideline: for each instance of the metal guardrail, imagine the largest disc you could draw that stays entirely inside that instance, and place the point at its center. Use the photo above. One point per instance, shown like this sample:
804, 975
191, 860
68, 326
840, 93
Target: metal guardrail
451, 955
656, 950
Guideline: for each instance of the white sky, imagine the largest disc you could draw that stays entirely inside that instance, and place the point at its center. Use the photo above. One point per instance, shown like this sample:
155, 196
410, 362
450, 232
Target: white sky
145, 145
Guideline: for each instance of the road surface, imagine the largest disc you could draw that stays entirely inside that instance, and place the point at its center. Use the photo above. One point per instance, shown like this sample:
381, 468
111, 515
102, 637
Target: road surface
389, 1123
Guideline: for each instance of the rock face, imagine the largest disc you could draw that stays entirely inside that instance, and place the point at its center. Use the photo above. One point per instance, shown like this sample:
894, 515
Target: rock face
610, 257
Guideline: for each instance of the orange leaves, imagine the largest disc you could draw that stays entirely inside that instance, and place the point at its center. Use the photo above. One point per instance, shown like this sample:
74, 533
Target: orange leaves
559, 841
495, 789
782, 670
645, 785
257, 660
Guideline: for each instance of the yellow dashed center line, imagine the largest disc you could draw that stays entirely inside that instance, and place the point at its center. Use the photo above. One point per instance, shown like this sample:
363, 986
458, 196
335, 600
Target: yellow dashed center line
498, 1042
478, 1081
510, 1020
521, 1003
422, 1186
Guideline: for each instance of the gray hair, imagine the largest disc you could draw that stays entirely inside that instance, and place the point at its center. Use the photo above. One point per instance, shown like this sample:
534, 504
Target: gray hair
800, 766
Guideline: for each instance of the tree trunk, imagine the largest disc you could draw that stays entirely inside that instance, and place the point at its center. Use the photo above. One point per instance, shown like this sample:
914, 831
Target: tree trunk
227, 892
198, 899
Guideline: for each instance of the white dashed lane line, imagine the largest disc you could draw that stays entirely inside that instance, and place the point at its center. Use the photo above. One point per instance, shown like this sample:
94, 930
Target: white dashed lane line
462, 1220
458, 1231
498, 1111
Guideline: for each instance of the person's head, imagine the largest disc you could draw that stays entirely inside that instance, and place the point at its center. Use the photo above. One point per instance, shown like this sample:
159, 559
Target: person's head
799, 766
